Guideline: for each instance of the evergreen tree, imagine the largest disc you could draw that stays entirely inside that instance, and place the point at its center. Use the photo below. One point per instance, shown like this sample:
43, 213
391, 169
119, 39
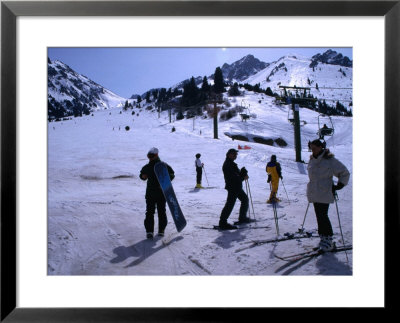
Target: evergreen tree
179, 116
205, 87
162, 95
269, 92
155, 94
169, 94
234, 90
190, 94
218, 81
126, 105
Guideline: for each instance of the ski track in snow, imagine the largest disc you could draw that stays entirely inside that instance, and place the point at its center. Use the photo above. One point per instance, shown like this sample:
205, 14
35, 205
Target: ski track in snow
96, 202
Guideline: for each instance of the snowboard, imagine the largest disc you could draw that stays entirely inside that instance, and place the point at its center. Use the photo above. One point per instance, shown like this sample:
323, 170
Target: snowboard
162, 175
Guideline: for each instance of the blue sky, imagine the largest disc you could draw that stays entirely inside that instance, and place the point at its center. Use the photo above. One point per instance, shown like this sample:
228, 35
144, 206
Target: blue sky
127, 71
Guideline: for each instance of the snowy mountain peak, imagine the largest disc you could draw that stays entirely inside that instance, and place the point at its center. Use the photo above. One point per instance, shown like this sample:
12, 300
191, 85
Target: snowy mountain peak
70, 93
331, 57
327, 81
243, 68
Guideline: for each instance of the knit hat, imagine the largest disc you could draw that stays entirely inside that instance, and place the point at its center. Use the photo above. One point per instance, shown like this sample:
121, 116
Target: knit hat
198, 155
153, 151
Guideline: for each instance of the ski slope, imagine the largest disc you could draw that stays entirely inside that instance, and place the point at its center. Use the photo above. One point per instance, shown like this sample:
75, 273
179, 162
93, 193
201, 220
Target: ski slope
96, 201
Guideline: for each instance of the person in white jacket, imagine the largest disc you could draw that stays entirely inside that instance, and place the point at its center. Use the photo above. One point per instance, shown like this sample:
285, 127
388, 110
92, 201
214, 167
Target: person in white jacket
321, 188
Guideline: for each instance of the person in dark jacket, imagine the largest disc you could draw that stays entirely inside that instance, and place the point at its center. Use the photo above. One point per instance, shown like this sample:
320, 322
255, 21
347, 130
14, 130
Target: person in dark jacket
154, 195
199, 171
233, 184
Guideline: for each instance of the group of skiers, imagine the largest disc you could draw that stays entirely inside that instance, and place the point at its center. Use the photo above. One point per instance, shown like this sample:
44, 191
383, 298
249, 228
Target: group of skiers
322, 167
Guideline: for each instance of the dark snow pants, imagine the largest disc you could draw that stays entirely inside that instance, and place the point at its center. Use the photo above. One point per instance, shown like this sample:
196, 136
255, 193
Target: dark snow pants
324, 224
230, 203
199, 172
152, 202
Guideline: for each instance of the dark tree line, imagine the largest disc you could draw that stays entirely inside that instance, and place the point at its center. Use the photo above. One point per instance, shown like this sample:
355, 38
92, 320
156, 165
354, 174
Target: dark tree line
57, 110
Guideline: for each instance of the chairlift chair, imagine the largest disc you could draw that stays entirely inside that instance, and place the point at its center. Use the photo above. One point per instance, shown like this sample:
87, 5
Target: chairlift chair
246, 115
290, 115
324, 130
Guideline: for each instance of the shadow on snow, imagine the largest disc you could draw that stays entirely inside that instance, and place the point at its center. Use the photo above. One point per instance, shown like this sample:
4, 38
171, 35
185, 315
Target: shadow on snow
141, 250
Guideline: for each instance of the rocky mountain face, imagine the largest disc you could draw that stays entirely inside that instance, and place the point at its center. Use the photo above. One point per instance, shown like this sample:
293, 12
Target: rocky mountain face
70, 93
243, 68
331, 57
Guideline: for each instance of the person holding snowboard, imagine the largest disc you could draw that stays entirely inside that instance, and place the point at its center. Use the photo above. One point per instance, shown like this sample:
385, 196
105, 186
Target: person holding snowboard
321, 188
199, 171
233, 184
154, 195
274, 172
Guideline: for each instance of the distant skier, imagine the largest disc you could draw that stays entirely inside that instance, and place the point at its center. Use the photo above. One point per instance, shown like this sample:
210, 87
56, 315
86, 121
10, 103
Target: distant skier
154, 195
274, 172
233, 184
199, 171
320, 190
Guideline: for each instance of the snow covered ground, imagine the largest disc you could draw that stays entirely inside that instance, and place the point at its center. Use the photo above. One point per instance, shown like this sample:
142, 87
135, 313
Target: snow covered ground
96, 201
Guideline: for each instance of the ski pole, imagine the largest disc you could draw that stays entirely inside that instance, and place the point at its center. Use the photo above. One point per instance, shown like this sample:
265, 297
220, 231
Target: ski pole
251, 199
247, 193
302, 226
206, 175
276, 218
275, 213
340, 226
285, 191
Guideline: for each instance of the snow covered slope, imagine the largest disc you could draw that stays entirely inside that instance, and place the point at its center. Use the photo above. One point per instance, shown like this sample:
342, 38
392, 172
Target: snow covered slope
96, 202
327, 82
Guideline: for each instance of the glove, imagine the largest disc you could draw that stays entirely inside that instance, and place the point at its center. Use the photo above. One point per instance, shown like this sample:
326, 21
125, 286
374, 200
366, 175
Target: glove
281, 177
269, 179
243, 172
337, 187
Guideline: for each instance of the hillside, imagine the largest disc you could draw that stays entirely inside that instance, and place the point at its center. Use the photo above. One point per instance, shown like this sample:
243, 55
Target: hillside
96, 202
70, 93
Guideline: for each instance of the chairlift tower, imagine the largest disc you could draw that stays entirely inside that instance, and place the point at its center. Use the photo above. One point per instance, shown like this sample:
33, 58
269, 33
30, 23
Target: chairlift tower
218, 99
301, 94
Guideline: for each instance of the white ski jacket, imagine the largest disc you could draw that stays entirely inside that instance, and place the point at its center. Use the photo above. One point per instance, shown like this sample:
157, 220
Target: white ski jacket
320, 172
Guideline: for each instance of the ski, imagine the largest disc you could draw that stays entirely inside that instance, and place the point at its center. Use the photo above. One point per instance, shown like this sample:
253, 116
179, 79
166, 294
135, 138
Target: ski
162, 175
202, 188
315, 252
216, 227
244, 223
288, 236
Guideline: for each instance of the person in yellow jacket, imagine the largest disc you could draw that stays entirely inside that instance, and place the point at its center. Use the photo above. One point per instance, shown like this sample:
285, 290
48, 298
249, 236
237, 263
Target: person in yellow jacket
274, 172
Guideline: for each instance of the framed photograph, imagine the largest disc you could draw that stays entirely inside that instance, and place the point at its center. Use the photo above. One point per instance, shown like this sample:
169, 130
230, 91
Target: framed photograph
78, 240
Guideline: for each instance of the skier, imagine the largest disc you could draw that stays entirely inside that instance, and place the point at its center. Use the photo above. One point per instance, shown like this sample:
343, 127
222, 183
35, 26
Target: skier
154, 195
274, 172
233, 184
199, 170
321, 190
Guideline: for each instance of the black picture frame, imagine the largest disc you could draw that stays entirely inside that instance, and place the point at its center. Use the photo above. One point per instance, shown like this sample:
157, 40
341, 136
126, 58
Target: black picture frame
10, 10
